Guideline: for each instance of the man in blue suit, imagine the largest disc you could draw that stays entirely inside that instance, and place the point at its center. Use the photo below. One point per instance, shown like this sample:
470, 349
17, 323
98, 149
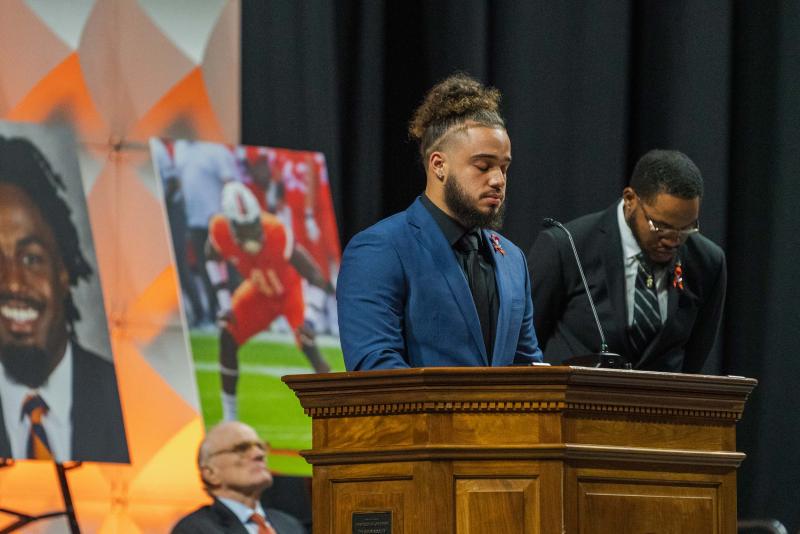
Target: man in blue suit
435, 285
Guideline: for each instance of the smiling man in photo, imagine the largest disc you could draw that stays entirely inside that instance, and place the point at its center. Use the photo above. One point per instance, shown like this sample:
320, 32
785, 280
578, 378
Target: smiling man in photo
58, 401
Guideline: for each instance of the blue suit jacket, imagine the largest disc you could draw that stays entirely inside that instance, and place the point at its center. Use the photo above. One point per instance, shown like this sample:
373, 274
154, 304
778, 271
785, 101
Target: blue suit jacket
405, 302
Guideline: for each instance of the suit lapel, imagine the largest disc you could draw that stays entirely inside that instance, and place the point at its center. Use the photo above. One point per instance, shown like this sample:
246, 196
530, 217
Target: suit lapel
504, 295
615, 278
83, 411
227, 519
427, 232
87, 413
5, 444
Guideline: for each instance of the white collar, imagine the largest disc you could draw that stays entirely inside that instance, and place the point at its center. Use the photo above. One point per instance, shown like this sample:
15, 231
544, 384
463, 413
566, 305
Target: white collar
56, 392
630, 247
241, 510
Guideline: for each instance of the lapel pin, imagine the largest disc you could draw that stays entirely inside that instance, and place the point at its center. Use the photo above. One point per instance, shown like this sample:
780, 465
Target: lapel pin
495, 239
677, 276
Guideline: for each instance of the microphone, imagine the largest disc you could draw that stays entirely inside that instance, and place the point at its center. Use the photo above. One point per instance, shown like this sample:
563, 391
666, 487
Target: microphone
603, 358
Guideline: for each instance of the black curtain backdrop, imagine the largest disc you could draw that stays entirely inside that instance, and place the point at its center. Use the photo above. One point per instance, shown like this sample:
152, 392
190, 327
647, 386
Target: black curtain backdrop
588, 87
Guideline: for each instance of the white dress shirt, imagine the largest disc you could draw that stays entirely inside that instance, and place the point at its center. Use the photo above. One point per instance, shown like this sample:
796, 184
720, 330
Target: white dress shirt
57, 394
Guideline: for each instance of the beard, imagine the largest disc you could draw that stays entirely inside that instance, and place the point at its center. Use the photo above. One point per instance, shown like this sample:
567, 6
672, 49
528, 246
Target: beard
645, 248
464, 208
26, 365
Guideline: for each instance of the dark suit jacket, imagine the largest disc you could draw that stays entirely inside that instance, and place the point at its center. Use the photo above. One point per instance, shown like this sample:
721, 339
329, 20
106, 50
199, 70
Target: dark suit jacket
563, 319
98, 434
216, 518
405, 302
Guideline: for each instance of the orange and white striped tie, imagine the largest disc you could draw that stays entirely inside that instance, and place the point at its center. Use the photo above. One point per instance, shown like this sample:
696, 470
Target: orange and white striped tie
38, 446
263, 526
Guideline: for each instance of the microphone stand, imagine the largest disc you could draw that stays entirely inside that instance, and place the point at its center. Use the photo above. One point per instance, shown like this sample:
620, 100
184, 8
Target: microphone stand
604, 358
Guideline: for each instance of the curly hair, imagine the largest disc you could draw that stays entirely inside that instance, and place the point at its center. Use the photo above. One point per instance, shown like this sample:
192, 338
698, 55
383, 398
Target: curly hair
22, 165
450, 104
666, 171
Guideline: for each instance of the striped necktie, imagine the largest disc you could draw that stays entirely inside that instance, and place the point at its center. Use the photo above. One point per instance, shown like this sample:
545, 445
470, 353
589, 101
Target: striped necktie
646, 315
261, 523
35, 409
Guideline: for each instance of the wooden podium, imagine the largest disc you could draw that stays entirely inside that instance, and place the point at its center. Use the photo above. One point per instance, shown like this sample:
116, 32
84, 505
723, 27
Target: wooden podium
545, 450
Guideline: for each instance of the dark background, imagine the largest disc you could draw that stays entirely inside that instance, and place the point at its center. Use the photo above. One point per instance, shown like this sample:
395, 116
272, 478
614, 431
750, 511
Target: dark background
588, 87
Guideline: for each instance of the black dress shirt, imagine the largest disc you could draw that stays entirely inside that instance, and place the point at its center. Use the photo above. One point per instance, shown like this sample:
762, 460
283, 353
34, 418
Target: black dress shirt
454, 232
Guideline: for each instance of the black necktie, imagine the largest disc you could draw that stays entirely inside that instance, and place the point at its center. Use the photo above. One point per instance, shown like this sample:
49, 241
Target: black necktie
646, 315
469, 244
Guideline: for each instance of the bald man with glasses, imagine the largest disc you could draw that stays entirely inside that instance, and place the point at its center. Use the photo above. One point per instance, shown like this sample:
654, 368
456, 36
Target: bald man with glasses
232, 464
658, 283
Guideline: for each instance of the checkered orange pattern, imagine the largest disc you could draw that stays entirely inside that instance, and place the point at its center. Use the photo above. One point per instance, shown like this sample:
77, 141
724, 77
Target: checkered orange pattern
117, 72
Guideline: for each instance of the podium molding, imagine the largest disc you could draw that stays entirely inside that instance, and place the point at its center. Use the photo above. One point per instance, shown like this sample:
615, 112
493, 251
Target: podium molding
532, 450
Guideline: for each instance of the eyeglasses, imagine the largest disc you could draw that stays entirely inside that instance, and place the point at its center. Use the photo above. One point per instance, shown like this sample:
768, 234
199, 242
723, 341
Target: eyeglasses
669, 233
241, 448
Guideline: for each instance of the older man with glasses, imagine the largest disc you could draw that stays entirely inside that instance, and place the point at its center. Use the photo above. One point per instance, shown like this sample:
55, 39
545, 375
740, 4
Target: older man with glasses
659, 285
232, 463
